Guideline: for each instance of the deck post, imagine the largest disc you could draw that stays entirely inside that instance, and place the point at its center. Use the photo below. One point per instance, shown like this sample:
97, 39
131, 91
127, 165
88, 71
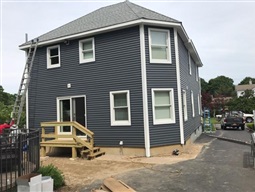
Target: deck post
74, 152
43, 150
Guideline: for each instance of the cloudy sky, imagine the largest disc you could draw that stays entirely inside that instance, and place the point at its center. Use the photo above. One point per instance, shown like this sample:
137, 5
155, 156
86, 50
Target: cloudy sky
222, 31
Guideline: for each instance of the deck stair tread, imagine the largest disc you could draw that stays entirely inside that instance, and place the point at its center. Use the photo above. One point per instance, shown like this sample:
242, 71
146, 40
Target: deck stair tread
94, 155
117, 186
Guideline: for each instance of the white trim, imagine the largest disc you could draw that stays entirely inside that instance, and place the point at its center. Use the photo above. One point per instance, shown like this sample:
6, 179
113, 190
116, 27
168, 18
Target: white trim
188, 43
168, 45
179, 86
82, 60
171, 120
185, 108
27, 104
199, 104
49, 65
190, 69
113, 121
192, 103
145, 94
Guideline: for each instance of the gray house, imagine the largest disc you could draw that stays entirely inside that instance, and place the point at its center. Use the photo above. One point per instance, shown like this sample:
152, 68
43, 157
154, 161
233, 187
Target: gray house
127, 73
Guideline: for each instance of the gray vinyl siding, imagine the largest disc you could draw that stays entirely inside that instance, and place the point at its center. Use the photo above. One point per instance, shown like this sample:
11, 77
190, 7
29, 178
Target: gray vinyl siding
189, 83
162, 76
117, 67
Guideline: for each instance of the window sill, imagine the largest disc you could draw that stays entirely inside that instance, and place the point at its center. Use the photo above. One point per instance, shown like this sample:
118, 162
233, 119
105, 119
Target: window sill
53, 66
160, 61
163, 122
121, 123
87, 61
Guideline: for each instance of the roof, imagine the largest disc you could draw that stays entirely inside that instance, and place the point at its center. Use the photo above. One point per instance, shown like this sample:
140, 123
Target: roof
245, 87
107, 16
113, 17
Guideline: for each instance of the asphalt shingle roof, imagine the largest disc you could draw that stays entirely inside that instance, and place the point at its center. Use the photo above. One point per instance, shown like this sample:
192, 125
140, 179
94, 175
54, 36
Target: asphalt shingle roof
245, 87
107, 16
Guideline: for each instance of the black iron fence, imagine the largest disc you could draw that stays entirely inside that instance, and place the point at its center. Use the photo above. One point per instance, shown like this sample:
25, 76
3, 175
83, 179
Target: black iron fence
19, 155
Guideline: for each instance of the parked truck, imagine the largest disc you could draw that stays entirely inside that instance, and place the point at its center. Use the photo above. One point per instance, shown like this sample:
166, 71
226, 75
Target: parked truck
232, 119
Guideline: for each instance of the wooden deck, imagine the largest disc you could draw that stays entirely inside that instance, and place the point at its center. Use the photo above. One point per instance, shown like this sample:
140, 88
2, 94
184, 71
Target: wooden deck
84, 145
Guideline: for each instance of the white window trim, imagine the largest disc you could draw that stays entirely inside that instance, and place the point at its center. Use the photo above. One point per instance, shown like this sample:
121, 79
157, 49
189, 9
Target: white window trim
190, 70
198, 104
49, 65
82, 60
113, 121
165, 121
185, 107
192, 103
169, 54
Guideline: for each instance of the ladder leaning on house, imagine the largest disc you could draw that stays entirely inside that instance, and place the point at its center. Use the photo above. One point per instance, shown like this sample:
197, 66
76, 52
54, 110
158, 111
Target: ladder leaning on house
207, 121
21, 96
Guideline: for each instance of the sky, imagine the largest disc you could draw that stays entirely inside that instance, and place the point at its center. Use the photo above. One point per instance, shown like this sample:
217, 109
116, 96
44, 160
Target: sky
222, 32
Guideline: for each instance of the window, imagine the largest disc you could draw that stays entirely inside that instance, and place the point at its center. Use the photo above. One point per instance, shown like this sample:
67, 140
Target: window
190, 71
87, 50
192, 104
53, 56
163, 106
185, 109
159, 42
120, 108
198, 104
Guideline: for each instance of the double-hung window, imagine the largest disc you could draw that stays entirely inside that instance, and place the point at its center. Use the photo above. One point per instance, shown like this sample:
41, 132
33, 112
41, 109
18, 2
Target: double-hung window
120, 108
199, 104
163, 106
190, 70
192, 104
185, 108
87, 50
159, 46
53, 57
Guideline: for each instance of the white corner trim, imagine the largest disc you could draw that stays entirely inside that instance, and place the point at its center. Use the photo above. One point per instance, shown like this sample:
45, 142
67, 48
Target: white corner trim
145, 94
179, 92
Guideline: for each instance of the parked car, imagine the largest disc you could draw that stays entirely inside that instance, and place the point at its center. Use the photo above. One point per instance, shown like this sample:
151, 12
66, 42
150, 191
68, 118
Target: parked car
232, 119
247, 117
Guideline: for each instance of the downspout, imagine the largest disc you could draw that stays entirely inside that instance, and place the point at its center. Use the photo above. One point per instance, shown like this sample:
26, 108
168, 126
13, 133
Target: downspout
145, 95
179, 91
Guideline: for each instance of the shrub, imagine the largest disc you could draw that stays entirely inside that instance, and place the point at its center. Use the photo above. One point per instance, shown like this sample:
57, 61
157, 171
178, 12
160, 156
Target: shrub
55, 173
250, 125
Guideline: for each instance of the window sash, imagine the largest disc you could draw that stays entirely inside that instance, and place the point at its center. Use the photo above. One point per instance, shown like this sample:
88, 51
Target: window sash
53, 56
87, 50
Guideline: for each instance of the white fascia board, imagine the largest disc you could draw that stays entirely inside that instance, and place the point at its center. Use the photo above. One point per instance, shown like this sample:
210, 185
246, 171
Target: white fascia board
181, 31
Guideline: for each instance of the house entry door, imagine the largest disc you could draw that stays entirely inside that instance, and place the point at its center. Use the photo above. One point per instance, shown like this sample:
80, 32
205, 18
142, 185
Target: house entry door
71, 109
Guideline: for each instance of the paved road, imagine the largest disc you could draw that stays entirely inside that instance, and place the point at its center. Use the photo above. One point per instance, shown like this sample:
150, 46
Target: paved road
221, 166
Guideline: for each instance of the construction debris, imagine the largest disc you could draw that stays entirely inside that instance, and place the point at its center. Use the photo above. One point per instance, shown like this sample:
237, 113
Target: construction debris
113, 185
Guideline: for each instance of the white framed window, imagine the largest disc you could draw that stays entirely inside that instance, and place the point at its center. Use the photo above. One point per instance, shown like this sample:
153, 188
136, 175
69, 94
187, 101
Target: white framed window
198, 104
87, 50
192, 103
196, 73
163, 106
185, 107
190, 71
159, 46
120, 108
53, 56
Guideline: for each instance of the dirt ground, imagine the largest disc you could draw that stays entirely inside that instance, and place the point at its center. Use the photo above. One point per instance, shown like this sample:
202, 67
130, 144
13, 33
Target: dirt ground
81, 172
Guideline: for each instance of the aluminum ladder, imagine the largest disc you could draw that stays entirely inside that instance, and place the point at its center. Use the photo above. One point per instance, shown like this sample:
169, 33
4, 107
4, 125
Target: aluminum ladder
207, 121
21, 96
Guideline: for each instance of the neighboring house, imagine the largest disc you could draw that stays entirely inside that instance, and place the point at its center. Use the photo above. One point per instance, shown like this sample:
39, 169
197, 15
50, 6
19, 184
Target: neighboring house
127, 73
240, 89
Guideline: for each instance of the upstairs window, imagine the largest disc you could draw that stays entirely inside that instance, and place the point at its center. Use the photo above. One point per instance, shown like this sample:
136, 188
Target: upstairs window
159, 45
163, 106
120, 108
87, 50
53, 56
192, 104
190, 71
196, 73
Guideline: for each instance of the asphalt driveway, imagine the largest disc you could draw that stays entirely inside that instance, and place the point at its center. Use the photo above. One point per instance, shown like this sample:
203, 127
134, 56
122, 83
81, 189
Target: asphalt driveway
221, 166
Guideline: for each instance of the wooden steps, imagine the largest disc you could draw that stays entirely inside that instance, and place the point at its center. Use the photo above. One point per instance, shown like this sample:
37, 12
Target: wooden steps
60, 143
87, 153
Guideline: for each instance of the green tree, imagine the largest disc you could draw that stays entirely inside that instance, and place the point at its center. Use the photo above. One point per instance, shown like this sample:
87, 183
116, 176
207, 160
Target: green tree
246, 81
204, 86
223, 86
243, 104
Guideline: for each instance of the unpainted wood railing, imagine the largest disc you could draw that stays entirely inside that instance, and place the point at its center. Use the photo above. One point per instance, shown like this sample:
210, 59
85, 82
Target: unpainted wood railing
48, 138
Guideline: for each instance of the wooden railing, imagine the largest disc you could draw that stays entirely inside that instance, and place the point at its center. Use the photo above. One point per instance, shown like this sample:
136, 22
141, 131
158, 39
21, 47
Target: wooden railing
55, 136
